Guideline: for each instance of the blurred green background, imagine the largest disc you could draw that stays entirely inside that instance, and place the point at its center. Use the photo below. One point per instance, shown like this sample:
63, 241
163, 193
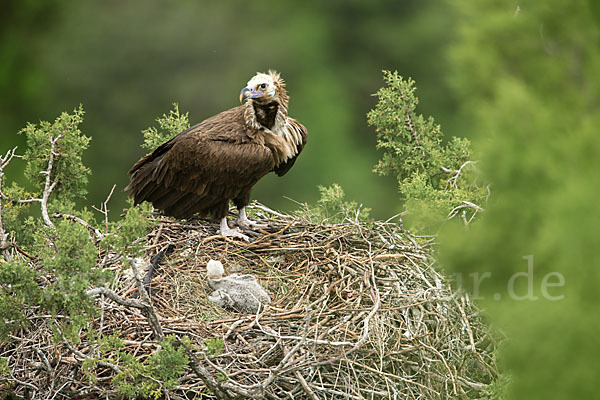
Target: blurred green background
126, 62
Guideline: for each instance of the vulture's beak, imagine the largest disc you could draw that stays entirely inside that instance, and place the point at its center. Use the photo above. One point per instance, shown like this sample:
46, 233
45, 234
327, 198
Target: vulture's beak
248, 93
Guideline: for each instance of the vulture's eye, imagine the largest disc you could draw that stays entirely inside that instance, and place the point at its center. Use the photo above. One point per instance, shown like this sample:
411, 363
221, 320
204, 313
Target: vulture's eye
263, 85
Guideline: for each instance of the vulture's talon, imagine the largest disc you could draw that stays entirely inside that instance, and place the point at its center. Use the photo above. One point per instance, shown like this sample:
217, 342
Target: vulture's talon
225, 230
229, 232
248, 223
245, 222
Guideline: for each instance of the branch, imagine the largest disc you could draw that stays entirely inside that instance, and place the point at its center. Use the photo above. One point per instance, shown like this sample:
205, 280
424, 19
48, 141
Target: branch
4, 161
453, 180
464, 206
204, 375
267, 209
115, 297
104, 208
49, 187
219, 389
148, 310
98, 236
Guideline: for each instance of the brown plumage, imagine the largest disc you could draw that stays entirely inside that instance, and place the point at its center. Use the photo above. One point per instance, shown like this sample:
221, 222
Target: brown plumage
204, 167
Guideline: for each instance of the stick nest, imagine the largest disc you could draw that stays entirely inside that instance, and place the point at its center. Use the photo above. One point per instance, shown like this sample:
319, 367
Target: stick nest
358, 312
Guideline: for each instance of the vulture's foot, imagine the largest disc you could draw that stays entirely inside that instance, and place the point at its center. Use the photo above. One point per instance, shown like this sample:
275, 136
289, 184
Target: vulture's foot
229, 232
243, 221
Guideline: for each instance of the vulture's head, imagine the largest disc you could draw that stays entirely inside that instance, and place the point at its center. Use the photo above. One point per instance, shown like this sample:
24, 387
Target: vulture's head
264, 89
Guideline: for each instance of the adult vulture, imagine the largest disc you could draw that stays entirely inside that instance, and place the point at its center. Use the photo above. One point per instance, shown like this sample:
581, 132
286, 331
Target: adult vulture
204, 167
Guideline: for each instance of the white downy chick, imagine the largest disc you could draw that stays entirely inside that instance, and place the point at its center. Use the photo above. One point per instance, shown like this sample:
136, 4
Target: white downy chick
241, 293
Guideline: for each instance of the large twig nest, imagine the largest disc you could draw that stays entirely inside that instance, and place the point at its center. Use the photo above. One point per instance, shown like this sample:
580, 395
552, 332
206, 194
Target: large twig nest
358, 311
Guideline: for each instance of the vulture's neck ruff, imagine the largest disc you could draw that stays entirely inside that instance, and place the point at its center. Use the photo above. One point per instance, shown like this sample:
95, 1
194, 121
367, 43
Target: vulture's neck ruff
270, 118
266, 114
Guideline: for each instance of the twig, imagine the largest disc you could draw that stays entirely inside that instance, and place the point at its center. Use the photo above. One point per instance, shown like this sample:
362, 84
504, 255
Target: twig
20, 382
305, 386
104, 209
148, 310
453, 180
96, 234
219, 389
4, 161
115, 297
465, 204
267, 209
48, 185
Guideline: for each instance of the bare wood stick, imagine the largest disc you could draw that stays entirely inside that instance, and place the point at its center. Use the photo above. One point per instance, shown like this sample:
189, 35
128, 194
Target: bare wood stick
148, 309
49, 185
4, 161
267, 209
305, 386
104, 209
96, 234
115, 297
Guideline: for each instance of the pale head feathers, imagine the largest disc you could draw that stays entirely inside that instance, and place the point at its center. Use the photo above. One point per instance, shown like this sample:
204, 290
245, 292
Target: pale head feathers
272, 85
214, 270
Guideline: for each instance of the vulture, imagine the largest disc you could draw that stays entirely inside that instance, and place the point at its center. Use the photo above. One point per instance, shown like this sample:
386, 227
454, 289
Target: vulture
202, 168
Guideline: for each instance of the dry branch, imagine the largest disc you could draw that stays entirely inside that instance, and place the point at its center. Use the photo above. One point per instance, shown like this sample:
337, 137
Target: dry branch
4, 161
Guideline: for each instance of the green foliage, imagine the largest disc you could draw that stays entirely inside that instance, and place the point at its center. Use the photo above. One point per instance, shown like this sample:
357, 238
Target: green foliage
527, 75
169, 362
63, 252
68, 168
435, 179
125, 234
214, 346
18, 290
4, 368
333, 208
56, 148
88, 367
151, 377
111, 343
72, 262
168, 126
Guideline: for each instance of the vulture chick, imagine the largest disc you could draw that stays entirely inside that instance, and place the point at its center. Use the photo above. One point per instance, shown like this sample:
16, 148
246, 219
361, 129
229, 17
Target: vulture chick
201, 169
241, 293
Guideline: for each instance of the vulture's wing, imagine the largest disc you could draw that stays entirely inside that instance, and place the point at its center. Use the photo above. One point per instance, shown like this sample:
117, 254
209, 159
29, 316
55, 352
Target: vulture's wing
199, 167
291, 123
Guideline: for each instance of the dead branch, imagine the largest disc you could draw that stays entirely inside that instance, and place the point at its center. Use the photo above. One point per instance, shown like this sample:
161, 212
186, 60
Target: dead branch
148, 309
49, 185
104, 208
115, 297
4, 161
95, 233
453, 180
